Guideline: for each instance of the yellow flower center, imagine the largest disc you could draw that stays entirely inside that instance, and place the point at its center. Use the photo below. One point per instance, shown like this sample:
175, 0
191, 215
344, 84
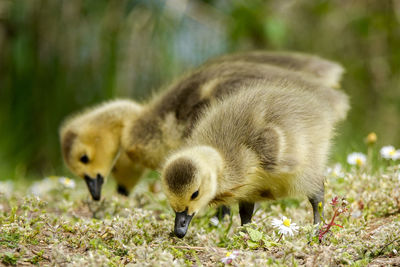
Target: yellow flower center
228, 254
359, 162
286, 222
67, 181
392, 152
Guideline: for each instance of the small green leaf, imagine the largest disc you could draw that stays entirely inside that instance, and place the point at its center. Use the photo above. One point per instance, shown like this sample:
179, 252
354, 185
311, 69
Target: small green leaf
254, 235
252, 244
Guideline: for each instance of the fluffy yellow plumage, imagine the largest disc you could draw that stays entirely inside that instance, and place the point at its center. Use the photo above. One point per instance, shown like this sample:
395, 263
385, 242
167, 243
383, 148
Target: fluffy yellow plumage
107, 133
265, 143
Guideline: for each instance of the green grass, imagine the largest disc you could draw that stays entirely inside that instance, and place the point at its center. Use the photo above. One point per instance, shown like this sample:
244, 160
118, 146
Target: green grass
64, 227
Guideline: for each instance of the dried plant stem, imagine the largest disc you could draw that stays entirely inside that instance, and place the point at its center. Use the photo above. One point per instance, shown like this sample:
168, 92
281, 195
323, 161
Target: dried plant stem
387, 244
280, 237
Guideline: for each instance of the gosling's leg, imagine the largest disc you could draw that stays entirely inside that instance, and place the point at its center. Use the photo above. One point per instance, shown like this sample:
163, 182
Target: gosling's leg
126, 174
315, 200
246, 212
122, 190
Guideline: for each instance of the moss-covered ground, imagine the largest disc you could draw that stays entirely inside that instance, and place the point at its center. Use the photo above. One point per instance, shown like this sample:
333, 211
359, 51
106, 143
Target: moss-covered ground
62, 226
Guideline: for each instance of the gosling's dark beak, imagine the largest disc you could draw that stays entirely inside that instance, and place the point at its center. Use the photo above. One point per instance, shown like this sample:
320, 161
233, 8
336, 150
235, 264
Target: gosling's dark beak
94, 185
182, 221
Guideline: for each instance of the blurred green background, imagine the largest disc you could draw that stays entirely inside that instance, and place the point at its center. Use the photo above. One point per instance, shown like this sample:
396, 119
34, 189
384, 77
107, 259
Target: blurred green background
57, 57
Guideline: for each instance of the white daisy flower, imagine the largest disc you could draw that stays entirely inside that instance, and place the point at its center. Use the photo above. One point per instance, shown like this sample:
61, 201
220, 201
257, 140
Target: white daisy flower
389, 152
356, 158
335, 171
285, 226
68, 183
230, 256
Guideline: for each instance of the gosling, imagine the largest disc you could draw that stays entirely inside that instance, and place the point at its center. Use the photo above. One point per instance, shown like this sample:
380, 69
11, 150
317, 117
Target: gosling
270, 142
91, 146
169, 117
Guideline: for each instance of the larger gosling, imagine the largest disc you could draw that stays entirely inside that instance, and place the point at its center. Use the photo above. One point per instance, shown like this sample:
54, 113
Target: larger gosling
169, 117
266, 143
91, 146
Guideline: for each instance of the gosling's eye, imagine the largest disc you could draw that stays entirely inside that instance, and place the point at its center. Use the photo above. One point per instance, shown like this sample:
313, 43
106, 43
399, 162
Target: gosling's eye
84, 159
194, 195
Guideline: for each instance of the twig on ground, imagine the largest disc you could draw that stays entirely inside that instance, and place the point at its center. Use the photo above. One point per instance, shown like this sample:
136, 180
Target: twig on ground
387, 244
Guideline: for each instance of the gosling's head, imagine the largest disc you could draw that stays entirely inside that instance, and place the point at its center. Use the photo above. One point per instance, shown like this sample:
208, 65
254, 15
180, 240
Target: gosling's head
89, 150
190, 183
91, 140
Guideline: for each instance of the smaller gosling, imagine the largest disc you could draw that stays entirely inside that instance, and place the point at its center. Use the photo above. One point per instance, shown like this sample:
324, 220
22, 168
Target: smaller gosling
255, 145
91, 146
